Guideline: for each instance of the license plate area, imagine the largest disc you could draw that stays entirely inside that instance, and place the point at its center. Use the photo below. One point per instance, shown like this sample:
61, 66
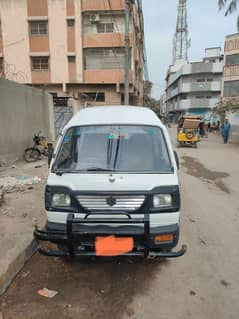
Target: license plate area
113, 246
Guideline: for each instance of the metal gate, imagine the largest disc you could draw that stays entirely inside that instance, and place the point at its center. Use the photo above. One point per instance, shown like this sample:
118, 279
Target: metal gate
62, 115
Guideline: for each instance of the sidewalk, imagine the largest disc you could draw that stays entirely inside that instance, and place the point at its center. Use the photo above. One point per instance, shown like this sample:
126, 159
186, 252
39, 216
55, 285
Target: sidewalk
21, 209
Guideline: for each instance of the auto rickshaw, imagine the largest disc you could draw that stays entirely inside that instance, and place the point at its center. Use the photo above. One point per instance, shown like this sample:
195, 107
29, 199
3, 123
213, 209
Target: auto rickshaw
188, 130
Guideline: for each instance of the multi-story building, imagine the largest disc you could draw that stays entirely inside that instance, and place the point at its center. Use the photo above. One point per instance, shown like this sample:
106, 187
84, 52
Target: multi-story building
230, 88
195, 88
72, 48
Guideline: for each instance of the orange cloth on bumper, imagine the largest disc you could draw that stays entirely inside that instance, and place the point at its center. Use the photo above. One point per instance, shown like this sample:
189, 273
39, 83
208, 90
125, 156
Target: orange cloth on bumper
112, 246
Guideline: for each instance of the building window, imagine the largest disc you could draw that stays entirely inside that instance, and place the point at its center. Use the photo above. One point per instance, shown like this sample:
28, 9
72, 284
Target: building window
183, 97
54, 94
200, 80
200, 97
60, 101
209, 80
1, 65
208, 97
71, 59
95, 96
232, 59
231, 88
38, 27
70, 22
40, 63
105, 27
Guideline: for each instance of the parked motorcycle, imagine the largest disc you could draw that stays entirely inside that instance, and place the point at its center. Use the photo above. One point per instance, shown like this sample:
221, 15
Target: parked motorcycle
40, 147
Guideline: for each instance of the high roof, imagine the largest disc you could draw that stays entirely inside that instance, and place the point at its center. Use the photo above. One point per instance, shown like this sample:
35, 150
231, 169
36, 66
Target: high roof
115, 115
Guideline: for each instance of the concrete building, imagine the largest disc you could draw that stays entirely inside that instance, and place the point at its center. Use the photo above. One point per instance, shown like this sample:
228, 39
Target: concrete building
163, 105
230, 91
72, 48
195, 88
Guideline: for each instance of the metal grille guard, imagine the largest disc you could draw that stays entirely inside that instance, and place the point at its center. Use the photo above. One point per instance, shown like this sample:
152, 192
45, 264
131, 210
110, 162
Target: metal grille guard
69, 236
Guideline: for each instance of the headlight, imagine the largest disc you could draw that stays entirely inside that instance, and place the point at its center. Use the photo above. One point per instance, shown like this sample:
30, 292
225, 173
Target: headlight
162, 200
61, 200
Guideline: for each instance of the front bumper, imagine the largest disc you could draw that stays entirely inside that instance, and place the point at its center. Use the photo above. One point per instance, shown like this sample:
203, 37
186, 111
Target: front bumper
77, 238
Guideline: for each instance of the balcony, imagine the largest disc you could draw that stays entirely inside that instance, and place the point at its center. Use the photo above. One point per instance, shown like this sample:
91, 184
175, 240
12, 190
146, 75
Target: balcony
105, 40
102, 5
197, 68
214, 86
105, 76
197, 103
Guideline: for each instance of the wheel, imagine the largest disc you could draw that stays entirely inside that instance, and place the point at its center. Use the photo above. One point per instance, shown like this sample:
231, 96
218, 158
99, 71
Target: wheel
31, 155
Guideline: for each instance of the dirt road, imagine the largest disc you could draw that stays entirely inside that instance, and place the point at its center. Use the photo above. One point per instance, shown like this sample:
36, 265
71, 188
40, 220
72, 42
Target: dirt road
202, 284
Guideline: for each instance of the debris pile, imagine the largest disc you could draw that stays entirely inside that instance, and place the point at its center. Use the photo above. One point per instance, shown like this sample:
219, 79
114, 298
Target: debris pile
19, 183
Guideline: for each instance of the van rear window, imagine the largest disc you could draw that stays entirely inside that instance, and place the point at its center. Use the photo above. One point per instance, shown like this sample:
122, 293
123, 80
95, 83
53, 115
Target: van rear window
114, 148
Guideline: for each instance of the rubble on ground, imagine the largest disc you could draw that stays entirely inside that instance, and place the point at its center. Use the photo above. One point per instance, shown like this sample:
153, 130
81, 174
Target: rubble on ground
11, 184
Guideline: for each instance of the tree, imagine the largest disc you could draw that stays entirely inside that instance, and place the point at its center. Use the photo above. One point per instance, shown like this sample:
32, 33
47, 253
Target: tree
227, 105
231, 6
150, 102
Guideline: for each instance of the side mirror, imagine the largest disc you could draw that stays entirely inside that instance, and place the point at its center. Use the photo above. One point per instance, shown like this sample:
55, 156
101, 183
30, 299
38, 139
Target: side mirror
50, 152
176, 159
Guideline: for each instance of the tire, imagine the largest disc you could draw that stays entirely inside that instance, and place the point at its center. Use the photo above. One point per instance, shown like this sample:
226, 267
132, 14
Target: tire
31, 155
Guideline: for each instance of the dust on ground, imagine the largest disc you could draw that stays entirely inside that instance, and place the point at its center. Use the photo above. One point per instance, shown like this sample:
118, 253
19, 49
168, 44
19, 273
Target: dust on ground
101, 288
197, 169
21, 207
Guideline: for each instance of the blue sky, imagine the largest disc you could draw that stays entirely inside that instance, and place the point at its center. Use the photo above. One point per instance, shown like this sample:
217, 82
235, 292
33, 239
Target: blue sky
207, 28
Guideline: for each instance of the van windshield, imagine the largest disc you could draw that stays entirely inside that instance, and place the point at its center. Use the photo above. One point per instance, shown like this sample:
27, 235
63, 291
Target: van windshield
114, 148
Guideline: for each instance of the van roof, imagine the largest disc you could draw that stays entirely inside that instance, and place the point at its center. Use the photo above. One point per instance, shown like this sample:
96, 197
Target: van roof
104, 115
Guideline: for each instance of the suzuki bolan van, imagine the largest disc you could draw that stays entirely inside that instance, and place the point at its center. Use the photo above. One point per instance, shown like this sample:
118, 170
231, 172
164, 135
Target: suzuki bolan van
113, 187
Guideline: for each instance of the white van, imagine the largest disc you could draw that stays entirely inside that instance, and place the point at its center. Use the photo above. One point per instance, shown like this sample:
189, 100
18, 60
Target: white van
113, 175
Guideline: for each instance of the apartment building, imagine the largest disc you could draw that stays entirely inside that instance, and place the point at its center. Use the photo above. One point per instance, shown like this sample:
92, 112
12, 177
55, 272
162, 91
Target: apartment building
195, 88
72, 48
230, 91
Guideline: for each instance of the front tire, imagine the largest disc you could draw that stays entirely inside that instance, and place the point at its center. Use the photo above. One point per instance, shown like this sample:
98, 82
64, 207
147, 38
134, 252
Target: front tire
31, 155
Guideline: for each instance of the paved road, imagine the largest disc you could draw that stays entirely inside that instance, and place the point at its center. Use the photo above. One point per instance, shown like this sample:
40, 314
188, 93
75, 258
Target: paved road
202, 284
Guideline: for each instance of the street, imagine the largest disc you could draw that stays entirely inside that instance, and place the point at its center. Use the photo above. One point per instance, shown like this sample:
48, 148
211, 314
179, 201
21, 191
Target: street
202, 284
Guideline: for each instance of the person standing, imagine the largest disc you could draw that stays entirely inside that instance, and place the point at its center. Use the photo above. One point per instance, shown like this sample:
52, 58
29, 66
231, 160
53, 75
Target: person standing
201, 128
225, 129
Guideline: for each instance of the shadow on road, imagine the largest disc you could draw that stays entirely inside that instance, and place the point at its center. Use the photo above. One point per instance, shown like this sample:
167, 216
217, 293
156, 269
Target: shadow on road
100, 288
197, 169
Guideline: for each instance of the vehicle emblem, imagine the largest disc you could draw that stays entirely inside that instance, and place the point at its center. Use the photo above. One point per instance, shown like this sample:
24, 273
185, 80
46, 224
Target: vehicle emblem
112, 179
111, 201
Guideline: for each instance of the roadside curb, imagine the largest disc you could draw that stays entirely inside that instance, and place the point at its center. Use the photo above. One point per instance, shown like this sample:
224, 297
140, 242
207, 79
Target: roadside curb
16, 265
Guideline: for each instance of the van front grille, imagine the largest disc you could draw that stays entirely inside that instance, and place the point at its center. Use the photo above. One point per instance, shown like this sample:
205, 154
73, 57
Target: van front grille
104, 202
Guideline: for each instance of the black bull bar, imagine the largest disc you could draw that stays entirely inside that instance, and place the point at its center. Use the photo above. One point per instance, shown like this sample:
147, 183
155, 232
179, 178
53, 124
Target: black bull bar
69, 237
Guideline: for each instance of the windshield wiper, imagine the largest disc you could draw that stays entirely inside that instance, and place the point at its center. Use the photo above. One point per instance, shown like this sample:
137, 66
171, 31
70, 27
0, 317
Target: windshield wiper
117, 151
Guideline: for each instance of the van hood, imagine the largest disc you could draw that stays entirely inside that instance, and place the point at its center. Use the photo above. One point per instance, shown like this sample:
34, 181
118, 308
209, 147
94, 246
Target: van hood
112, 182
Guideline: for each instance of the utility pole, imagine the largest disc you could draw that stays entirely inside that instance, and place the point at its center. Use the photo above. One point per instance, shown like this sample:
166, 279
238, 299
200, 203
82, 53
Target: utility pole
127, 45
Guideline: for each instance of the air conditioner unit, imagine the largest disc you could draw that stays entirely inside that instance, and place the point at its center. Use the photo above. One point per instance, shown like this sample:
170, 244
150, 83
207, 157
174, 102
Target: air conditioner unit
94, 18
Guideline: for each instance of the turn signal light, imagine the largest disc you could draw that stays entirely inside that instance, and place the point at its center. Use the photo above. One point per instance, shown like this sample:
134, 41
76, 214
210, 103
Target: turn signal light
168, 237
